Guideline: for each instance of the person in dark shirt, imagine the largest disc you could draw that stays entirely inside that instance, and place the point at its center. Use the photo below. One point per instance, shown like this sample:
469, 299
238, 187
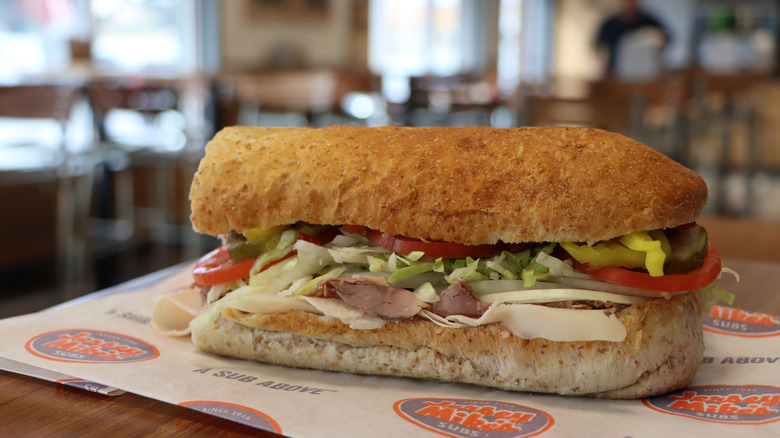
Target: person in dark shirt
615, 28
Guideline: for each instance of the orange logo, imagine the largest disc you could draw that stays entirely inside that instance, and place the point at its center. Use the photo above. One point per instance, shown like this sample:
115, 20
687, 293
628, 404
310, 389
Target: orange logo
748, 404
90, 346
474, 418
737, 322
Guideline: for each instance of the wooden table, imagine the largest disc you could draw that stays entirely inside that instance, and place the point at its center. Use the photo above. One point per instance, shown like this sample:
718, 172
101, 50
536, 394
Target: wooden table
32, 407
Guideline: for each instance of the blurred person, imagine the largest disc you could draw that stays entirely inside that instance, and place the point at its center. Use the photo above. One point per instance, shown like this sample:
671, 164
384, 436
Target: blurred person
635, 33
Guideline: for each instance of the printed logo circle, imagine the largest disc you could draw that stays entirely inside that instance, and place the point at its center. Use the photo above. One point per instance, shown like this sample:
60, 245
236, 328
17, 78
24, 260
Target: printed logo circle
237, 413
748, 404
473, 418
90, 346
737, 322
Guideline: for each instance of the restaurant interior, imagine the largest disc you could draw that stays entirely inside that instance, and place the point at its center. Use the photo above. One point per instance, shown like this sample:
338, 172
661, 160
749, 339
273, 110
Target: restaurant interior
106, 105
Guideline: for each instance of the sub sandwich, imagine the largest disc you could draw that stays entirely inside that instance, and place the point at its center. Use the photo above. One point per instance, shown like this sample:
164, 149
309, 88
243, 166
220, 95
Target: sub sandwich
559, 260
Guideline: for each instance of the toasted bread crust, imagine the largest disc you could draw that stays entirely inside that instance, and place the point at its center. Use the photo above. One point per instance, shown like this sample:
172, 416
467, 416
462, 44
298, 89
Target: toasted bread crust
661, 352
469, 185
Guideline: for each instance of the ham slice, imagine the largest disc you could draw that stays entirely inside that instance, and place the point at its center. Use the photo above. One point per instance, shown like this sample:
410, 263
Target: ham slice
372, 297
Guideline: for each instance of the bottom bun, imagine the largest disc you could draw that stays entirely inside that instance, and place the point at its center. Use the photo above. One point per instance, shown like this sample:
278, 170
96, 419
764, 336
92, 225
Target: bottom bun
661, 352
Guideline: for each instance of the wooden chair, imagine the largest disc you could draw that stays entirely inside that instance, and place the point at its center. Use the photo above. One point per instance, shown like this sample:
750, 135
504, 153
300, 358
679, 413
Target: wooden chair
616, 114
286, 98
147, 169
293, 98
32, 161
664, 103
725, 128
455, 100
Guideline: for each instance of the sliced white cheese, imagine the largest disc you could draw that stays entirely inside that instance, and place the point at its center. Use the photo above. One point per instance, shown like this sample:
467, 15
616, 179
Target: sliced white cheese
354, 317
263, 303
270, 303
512, 309
525, 320
531, 321
173, 312
558, 294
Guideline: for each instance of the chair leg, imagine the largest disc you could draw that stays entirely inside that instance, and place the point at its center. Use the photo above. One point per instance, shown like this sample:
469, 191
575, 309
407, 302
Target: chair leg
83, 201
67, 257
192, 240
125, 223
162, 200
73, 201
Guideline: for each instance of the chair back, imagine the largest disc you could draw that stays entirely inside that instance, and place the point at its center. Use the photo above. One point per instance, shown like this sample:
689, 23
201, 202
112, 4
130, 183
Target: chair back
30, 115
617, 114
139, 114
47, 181
290, 91
37, 101
286, 98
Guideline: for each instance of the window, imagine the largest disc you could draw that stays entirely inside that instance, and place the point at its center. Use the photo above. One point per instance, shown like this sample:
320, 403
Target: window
410, 38
144, 34
35, 35
419, 37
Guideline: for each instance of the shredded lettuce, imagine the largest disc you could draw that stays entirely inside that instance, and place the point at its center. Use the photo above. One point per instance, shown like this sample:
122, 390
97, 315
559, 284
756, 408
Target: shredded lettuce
468, 273
504, 266
282, 249
280, 276
559, 268
729, 271
342, 240
311, 284
499, 269
712, 294
220, 290
375, 264
409, 271
295, 267
354, 254
426, 292
415, 256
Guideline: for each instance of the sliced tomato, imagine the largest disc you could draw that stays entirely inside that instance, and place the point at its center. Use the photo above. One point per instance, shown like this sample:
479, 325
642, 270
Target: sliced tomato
693, 280
406, 245
217, 268
323, 238
356, 229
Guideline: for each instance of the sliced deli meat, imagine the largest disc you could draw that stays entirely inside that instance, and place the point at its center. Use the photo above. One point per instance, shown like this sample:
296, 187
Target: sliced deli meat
372, 297
459, 299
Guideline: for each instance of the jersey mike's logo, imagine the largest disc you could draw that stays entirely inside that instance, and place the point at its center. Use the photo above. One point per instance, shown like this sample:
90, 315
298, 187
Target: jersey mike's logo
748, 404
473, 418
737, 322
237, 413
90, 346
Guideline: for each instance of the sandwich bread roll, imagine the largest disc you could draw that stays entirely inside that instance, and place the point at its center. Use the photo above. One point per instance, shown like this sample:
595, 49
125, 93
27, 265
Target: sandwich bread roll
466, 186
469, 185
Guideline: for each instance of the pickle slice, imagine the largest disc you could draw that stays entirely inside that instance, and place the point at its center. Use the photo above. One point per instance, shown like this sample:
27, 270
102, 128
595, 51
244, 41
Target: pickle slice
688, 249
240, 248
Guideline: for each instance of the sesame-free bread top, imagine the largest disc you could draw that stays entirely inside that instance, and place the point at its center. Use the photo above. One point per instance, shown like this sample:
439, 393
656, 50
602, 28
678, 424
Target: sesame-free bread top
469, 185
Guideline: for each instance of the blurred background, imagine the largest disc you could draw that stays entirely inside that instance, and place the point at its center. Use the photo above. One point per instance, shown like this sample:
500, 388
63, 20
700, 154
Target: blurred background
106, 105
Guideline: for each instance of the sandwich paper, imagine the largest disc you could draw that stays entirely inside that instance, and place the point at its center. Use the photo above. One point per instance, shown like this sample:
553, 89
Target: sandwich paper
105, 343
